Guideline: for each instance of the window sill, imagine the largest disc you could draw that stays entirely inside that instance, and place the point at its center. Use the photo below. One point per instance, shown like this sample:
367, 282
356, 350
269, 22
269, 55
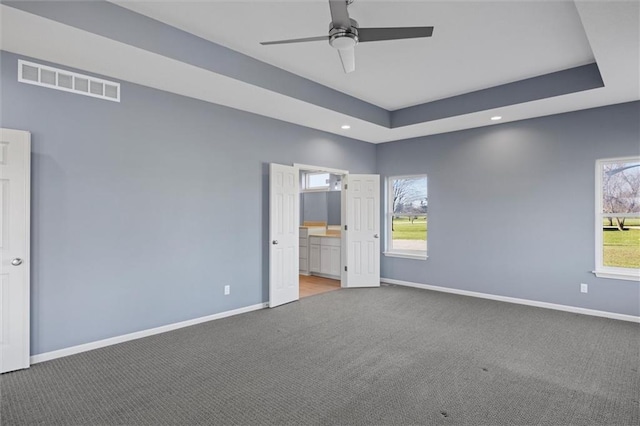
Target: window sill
417, 256
327, 189
618, 275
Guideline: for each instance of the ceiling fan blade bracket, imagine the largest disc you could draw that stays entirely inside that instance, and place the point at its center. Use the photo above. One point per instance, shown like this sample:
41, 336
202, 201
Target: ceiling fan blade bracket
339, 14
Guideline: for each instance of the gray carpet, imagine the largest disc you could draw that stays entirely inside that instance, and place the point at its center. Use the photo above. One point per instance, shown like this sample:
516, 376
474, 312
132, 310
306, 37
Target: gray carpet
372, 356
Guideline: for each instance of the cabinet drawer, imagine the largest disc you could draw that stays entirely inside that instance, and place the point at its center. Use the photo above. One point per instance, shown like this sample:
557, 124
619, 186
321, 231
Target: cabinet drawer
331, 241
302, 242
315, 240
304, 232
303, 264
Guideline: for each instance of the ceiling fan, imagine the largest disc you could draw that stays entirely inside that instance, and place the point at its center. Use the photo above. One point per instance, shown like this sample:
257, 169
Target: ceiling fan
344, 34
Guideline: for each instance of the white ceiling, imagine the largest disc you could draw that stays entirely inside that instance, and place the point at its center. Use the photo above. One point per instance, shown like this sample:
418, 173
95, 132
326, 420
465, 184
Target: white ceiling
602, 30
475, 45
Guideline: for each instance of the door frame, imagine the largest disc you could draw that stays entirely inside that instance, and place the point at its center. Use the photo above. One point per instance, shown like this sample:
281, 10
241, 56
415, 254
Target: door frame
343, 212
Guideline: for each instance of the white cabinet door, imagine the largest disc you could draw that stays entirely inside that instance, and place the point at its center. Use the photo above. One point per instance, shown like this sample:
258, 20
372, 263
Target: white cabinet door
284, 211
15, 155
334, 254
325, 260
303, 255
304, 266
362, 201
314, 258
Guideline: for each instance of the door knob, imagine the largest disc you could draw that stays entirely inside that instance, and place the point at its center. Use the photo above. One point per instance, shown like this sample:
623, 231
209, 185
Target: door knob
17, 261
375, 236
274, 242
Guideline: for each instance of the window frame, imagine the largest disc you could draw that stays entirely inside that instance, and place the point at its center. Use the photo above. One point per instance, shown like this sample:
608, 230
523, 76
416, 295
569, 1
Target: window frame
323, 188
389, 250
602, 271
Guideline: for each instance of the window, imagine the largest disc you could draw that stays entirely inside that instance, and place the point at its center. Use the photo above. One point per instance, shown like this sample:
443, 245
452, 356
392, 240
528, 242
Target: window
407, 206
316, 181
618, 218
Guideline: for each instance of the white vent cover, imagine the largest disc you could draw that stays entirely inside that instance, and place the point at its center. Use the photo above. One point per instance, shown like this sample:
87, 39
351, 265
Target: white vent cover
54, 78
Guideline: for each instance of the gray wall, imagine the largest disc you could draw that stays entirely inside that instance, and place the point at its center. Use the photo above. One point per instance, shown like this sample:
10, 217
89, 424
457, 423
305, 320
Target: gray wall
511, 207
314, 206
334, 210
143, 210
321, 206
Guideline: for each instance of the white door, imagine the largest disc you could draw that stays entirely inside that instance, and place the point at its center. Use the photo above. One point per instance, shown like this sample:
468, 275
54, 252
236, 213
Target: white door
15, 157
361, 197
284, 212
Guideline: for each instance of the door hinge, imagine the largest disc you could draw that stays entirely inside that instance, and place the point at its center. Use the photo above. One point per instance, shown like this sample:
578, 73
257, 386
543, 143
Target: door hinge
345, 269
346, 185
345, 227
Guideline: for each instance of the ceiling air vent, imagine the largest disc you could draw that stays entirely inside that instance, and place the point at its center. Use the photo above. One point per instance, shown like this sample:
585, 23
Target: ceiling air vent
54, 78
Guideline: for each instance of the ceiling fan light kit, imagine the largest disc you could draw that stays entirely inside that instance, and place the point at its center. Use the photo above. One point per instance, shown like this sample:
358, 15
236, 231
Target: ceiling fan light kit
340, 38
345, 34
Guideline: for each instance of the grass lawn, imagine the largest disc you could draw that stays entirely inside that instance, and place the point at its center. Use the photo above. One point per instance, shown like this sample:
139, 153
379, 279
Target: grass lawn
630, 221
403, 229
622, 248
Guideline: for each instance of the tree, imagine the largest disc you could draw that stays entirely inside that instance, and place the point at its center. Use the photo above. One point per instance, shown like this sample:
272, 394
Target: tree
620, 190
423, 205
406, 193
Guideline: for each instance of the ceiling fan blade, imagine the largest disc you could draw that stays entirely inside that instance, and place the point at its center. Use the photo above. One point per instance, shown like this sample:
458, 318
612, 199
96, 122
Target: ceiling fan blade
339, 14
295, 40
380, 34
348, 58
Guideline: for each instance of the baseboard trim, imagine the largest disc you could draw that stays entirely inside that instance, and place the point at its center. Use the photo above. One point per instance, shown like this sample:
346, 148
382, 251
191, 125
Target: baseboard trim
47, 356
565, 308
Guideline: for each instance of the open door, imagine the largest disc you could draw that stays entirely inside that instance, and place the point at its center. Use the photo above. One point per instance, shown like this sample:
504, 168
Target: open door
361, 198
15, 160
284, 211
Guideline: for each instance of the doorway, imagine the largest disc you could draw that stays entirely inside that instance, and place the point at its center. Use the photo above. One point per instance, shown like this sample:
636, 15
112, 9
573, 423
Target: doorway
358, 265
320, 244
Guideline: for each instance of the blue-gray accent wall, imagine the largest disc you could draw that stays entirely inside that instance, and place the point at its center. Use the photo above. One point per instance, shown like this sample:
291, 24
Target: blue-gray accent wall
334, 208
511, 207
143, 210
314, 207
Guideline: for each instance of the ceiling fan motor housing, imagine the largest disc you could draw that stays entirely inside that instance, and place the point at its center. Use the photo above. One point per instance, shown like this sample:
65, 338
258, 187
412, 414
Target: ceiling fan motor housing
344, 38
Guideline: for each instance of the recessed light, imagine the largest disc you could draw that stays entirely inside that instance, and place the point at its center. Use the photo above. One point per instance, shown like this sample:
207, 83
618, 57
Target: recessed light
496, 118
345, 127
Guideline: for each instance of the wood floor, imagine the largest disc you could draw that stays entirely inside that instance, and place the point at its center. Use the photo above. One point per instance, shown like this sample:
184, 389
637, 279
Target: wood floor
311, 285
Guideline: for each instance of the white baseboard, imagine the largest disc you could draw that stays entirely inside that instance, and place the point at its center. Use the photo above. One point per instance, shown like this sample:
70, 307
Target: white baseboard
527, 302
139, 334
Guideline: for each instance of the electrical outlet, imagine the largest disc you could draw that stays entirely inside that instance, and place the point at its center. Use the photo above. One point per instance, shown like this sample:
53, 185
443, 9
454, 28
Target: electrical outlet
227, 290
584, 288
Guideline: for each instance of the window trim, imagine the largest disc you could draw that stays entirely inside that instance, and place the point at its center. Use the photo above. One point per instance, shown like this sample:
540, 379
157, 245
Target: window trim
601, 271
391, 252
